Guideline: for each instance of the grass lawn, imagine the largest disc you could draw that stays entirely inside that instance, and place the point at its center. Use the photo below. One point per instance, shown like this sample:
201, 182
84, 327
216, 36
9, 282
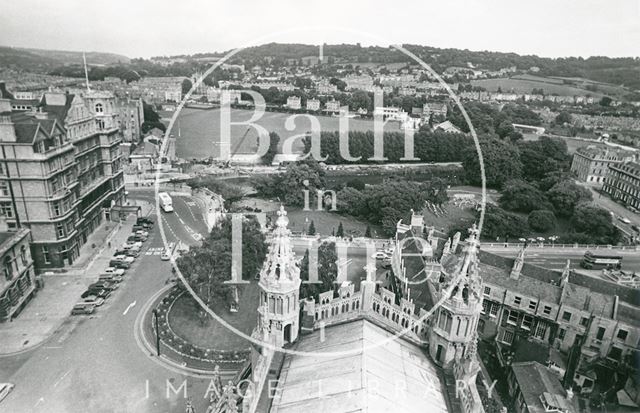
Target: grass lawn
185, 322
454, 215
324, 221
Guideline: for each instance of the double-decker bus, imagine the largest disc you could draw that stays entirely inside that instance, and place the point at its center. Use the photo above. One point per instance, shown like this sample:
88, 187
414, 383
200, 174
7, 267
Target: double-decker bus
593, 261
165, 202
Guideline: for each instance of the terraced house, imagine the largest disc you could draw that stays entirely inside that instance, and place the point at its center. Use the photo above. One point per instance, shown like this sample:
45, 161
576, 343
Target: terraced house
62, 171
592, 325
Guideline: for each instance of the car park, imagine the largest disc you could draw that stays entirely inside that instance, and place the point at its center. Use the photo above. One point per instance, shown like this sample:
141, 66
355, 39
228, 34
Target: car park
83, 308
93, 299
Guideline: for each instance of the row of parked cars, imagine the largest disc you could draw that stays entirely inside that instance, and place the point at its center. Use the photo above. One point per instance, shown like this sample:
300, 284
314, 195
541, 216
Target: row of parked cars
112, 276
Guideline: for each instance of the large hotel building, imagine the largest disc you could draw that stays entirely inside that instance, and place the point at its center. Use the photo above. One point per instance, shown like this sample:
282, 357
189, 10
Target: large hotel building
60, 171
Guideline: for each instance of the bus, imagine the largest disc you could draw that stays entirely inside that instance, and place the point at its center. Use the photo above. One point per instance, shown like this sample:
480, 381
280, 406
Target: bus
165, 202
592, 261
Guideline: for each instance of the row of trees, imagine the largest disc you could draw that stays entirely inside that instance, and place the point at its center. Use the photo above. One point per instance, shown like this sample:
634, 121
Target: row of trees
428, 146
533, 161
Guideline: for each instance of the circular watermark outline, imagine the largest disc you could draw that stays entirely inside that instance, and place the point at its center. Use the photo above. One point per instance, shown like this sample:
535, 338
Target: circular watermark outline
266, 344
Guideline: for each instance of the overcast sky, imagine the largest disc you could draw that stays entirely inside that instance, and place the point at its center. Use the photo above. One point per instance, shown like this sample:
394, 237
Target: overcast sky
144, 28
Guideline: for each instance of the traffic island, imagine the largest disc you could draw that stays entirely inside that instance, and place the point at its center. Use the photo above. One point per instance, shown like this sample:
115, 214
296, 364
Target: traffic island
196, 341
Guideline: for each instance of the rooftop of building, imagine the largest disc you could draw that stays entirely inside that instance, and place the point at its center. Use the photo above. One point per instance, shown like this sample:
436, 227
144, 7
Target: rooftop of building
30, 128
583, 291
604, 152
632, 168
537, 381
367, 380
8, 239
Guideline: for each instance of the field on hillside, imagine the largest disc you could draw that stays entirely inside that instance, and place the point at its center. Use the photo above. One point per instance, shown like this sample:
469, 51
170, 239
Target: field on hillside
528, 83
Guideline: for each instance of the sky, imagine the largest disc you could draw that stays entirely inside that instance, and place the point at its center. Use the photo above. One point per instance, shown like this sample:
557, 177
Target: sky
145, 28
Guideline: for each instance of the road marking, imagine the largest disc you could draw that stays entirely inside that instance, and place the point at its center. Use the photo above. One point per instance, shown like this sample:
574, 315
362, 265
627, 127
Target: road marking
40, 400
129, 307
61, 378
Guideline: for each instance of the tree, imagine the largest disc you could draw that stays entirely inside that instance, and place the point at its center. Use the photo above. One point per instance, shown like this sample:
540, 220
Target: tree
207, 267
312, 229
596, 223
501, 163
606, 101
367, 232
518, 195
327, 271
500, 223
564, 117
340, 232
566, 195
290, 187
274, 141
542, 157
186, 86
541, 220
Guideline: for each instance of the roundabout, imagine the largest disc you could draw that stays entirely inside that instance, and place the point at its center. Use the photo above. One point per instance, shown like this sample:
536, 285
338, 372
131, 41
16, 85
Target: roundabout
182, 349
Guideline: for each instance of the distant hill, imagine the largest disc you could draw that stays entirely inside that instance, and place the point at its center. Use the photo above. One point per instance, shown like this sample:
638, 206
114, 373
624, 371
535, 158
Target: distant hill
42, 61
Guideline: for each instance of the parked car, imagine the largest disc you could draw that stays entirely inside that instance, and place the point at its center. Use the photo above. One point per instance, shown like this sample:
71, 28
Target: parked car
111, 278
130, 243
119, 264
114, 271
137, 237
103, 285
133, 252
94, 299
142, 232
96, 292
83, 308
124, 258
166, 255
635, 228
625, 220
380, 255
144, 220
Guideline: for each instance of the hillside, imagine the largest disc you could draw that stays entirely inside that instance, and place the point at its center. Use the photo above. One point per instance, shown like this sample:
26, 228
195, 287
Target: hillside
43, 61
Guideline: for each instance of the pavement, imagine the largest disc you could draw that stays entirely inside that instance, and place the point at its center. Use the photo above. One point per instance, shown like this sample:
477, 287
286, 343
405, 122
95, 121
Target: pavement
47, 311
556, 258
96, 363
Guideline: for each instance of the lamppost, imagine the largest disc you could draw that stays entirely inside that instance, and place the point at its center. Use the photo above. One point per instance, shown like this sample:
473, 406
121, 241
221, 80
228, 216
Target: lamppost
155, 316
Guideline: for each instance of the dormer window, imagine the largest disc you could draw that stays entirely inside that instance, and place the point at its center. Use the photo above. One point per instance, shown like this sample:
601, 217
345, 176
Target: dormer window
99, 108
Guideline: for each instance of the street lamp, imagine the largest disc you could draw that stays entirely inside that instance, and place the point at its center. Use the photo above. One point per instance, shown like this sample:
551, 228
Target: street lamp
155, 316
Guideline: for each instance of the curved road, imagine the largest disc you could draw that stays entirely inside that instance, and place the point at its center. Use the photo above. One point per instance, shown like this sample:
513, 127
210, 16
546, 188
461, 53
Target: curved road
94, 364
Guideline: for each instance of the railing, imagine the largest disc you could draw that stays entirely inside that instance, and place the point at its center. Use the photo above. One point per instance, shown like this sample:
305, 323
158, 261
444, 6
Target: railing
560, 246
